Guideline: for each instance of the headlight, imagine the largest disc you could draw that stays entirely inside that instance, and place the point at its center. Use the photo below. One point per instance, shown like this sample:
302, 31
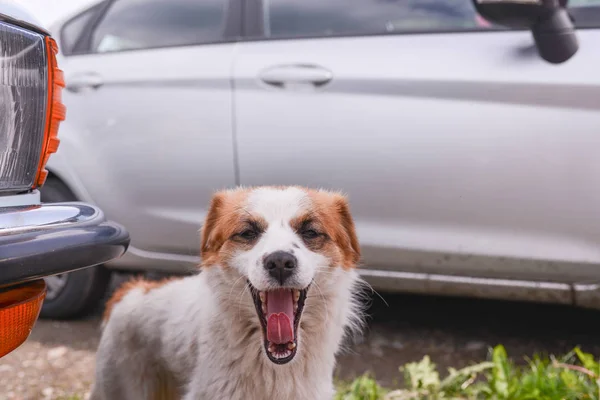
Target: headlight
30, 106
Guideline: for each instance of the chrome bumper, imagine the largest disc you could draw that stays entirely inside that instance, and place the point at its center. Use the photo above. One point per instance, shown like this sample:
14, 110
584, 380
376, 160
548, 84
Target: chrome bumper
49, 239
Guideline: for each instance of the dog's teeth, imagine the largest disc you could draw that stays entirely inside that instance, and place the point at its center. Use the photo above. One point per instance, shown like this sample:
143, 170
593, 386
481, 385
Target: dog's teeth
262, 296
264, 308
291, 345
296, 295
271, 348
295, 307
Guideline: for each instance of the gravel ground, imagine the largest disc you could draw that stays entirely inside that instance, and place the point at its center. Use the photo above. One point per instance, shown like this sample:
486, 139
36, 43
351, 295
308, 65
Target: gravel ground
57, 361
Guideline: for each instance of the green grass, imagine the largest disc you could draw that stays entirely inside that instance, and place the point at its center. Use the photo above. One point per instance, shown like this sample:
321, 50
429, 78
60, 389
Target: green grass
575, 376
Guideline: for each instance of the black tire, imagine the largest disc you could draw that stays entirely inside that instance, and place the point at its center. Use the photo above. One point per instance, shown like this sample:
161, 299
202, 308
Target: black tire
83, 289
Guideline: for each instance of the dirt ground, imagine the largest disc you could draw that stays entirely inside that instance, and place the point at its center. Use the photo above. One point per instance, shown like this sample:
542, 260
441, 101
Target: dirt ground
57, 361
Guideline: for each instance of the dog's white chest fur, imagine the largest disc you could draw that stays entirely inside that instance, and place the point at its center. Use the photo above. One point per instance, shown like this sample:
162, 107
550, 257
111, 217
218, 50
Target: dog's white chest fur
200, 337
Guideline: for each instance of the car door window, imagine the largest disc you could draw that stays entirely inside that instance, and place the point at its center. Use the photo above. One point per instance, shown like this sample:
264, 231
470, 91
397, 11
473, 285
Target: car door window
583, 3
293, 18
586, 13
144, 24
72, 30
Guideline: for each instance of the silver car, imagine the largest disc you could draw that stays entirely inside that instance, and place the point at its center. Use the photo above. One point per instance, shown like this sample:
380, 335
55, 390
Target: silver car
472, 165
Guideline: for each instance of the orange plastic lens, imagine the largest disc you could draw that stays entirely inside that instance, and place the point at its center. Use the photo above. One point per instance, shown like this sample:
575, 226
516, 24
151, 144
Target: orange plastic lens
55, 112
19, 309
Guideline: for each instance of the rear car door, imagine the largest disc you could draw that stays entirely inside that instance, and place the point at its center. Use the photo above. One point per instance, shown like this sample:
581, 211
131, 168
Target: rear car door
149, 100
462, 151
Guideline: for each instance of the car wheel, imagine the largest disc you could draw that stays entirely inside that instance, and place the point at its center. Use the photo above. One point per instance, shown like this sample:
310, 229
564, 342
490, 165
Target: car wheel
79, 292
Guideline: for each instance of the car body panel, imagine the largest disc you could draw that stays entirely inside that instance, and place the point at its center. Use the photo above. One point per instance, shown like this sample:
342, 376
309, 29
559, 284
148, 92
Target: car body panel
128, 143
20, 14
492, 155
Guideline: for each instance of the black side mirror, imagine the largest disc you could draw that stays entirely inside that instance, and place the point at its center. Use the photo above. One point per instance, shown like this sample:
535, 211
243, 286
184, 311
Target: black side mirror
548, 20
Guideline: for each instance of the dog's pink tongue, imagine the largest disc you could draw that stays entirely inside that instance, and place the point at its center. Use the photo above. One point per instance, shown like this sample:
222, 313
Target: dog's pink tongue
280, 316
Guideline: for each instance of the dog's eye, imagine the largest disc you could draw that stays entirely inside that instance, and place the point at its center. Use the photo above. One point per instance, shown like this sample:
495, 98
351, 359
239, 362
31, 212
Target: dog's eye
248, 234
310, 234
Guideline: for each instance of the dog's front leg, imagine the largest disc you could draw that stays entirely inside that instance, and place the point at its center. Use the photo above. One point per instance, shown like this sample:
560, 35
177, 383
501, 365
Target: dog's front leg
126, 381
123, 371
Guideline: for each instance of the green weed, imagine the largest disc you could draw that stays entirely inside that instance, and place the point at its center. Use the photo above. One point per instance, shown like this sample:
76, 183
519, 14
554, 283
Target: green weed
576, 376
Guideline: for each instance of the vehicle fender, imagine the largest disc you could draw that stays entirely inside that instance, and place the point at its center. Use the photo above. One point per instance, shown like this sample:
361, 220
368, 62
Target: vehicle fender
16, 11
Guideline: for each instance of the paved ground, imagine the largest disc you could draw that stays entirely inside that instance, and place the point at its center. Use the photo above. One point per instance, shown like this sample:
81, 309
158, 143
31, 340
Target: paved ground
58, 359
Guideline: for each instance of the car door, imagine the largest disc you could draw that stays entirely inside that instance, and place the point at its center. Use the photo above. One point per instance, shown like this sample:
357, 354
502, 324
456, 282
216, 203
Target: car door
149, 132
463, 153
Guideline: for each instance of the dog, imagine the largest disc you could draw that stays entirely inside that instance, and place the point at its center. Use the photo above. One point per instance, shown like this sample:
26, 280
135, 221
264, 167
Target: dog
264, 318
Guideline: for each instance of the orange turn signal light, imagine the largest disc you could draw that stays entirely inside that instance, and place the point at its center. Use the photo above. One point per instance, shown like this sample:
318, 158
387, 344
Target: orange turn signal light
55, 110
19, 309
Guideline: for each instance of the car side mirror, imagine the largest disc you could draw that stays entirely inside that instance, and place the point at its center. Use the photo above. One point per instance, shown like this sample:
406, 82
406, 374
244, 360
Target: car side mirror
549, 21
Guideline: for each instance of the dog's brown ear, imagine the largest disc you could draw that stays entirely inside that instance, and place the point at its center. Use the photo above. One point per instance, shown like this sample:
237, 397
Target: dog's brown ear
210, 241
349, 240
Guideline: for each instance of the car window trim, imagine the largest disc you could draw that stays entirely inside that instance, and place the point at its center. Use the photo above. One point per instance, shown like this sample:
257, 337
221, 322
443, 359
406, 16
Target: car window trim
253, 21
232, 31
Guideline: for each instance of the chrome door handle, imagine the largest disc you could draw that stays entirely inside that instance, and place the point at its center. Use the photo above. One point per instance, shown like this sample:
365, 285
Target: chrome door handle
306, 74
79, 82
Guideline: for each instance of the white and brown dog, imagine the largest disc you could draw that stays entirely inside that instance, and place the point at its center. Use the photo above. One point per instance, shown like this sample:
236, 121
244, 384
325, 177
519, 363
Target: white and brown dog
263, 320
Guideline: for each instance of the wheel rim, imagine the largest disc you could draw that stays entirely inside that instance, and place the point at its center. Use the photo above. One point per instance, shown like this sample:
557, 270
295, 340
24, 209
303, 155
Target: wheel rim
55, 285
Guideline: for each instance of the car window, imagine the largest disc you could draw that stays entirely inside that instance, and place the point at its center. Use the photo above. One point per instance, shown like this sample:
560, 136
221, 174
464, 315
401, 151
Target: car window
583, 3
72, 30
293, 18
143, 24
586, 13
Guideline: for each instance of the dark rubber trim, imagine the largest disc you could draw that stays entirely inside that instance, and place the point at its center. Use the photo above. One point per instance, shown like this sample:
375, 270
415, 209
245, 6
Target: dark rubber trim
80, 237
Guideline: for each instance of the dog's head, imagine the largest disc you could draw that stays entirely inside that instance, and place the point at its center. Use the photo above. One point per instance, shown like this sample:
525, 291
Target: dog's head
282, 241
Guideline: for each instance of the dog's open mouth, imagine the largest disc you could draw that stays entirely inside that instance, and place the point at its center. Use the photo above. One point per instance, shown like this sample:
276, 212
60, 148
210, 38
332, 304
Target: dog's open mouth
279, 312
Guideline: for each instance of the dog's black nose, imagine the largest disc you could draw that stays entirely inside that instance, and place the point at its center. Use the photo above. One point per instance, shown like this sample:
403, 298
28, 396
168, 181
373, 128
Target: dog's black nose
280, 265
